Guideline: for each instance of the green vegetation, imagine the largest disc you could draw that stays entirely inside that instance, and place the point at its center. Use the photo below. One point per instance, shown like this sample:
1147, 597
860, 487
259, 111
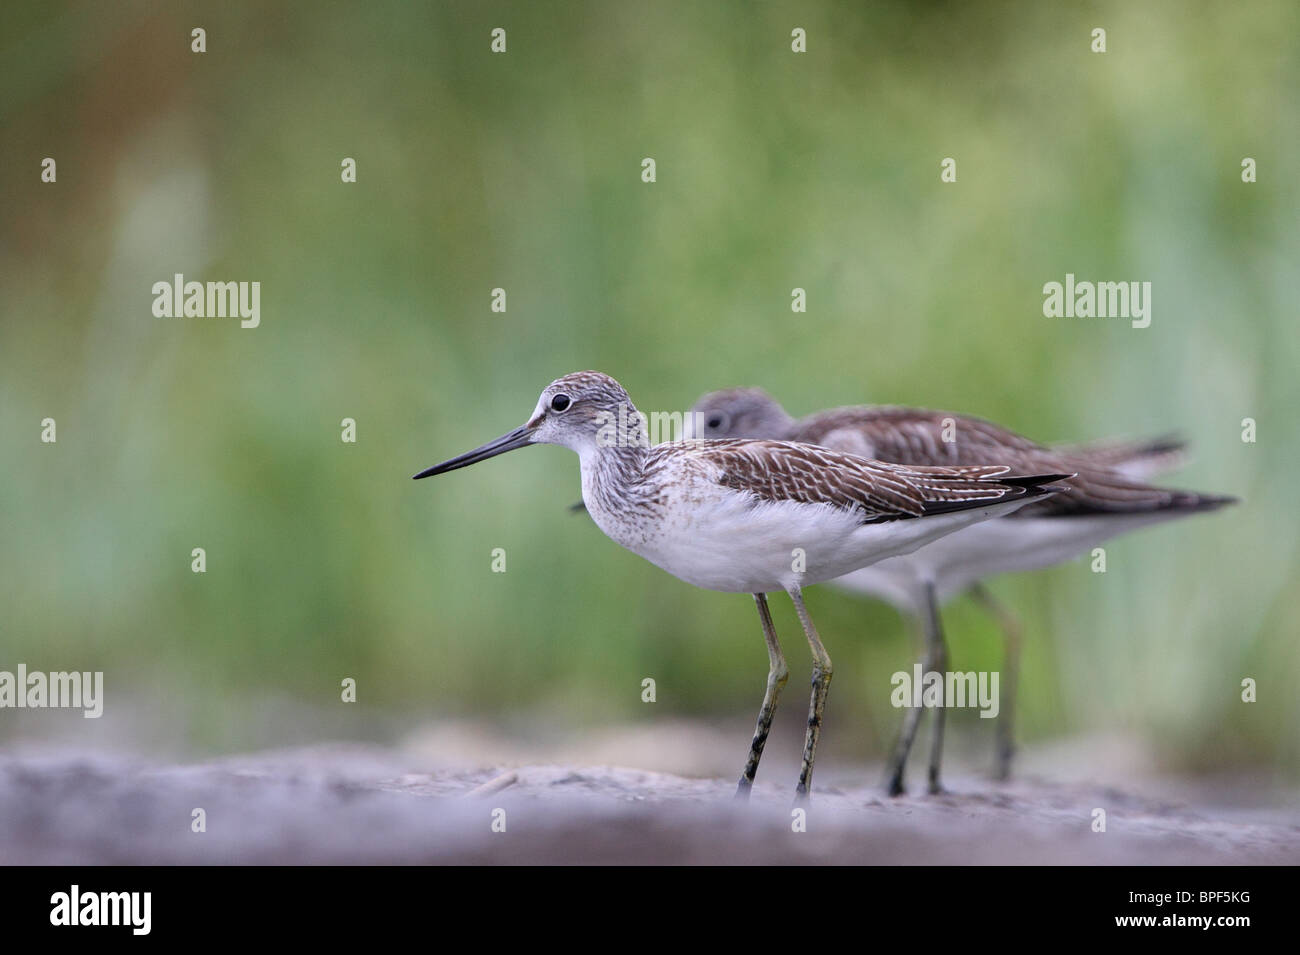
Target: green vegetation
522, 171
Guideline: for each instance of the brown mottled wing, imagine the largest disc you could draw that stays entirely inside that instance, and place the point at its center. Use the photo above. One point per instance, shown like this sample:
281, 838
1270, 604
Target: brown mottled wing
786, 471
914, 436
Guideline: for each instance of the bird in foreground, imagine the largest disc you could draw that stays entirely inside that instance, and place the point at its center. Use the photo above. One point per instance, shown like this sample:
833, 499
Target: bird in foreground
754, 516
1108, 497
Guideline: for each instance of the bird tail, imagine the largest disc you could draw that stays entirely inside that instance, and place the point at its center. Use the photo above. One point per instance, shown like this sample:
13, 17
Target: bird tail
1138, 460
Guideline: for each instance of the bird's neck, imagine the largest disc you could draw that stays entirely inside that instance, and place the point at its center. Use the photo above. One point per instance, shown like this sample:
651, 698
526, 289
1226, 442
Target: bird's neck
615, 461
618, 463
618, 495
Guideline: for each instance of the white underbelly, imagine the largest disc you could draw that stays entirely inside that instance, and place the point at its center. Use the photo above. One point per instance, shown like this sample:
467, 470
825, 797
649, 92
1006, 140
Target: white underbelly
956, 562
737, 547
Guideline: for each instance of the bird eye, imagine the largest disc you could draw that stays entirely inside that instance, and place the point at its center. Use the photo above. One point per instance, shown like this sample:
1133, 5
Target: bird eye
559, 402
714, 422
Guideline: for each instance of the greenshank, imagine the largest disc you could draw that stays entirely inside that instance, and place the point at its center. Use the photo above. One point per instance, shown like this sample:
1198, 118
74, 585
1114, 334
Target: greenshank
754, 516
1107, 498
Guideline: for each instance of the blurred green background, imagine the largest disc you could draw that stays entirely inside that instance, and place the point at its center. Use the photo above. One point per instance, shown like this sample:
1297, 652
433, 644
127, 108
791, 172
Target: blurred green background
522, 171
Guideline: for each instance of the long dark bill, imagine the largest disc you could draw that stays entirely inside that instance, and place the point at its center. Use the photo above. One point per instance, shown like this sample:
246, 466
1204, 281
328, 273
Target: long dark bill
518, 438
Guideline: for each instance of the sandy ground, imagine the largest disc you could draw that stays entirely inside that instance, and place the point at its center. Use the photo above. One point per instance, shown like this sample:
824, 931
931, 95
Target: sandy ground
370, 804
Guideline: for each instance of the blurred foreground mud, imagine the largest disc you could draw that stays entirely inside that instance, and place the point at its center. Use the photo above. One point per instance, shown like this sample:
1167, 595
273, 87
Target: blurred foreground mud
364, 804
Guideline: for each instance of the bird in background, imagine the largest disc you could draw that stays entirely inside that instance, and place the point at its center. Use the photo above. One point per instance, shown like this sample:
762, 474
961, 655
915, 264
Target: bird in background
754, 516
1107, 497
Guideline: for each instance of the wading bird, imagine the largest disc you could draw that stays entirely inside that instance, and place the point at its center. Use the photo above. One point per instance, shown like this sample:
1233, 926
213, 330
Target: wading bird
754, 516
1107, 498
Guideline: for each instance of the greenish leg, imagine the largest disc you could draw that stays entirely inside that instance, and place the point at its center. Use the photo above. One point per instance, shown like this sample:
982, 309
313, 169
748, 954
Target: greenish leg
935, 659
777, 674
939, 652
821, 682
1012, 634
